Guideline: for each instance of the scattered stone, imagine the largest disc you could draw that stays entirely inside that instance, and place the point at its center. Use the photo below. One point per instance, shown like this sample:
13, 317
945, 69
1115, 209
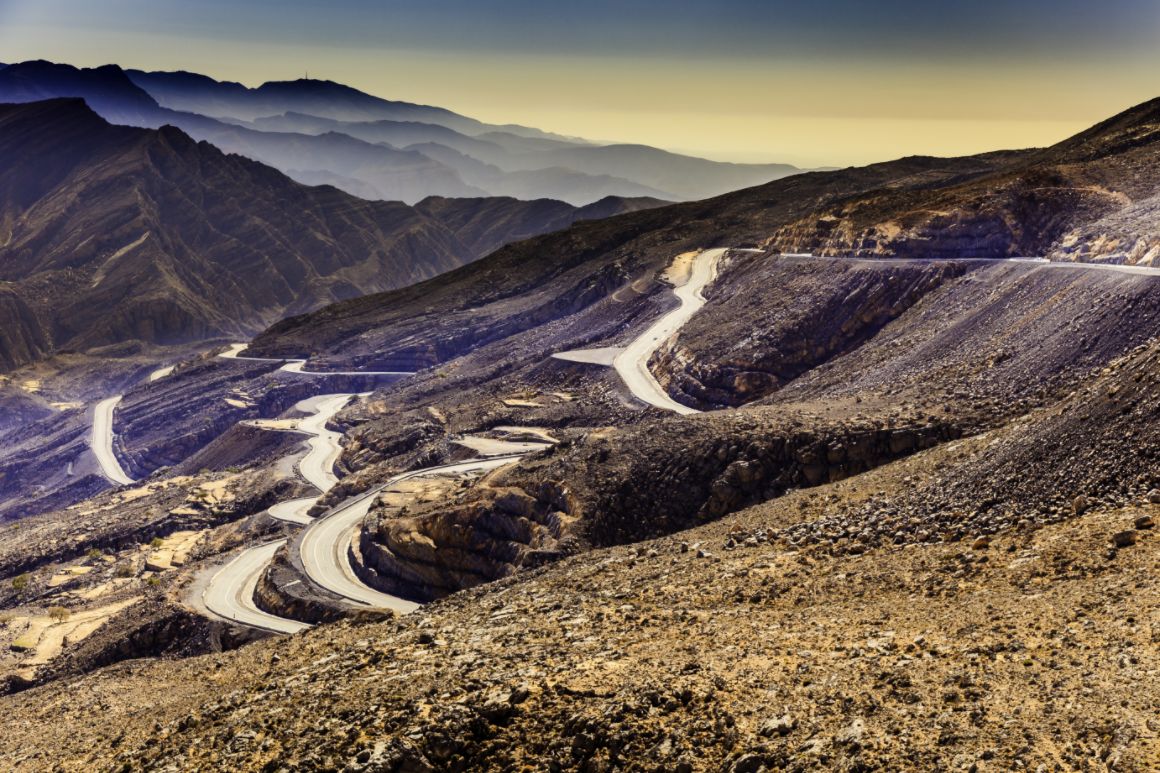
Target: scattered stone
1123, 539
748, 763
780, 726
853, 735
1144, 522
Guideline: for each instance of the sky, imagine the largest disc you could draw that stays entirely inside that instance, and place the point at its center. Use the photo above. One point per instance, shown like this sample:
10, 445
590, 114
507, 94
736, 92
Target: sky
809, 82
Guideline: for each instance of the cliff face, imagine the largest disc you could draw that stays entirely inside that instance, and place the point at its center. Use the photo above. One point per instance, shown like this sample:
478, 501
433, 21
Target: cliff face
1028, 213
645, 482
22, 337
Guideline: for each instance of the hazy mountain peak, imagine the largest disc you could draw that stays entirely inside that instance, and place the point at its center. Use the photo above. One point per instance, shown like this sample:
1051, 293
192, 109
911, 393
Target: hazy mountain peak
107, 89
118, 233
189, 79
323, 132
326, 87
41, 111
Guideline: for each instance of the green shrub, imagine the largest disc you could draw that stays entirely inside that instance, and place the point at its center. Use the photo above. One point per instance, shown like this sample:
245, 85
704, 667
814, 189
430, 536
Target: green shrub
20, 582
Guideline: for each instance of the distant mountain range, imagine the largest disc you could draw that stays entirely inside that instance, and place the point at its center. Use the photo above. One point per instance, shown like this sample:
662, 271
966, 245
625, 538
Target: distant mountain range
113, 233
323, 132
1092, 198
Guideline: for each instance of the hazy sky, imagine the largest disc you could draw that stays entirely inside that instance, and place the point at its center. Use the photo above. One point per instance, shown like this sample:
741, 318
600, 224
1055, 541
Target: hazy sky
812, 82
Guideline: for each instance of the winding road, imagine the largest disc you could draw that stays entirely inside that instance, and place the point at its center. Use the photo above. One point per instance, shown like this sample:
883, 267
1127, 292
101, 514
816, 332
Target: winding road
101, 442
325, 544
632, 363
161, 373
317, 467
293, 510
298, 366
230, 592
1065, 265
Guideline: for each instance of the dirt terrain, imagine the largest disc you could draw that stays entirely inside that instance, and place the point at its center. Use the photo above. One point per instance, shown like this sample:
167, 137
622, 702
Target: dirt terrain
723, 648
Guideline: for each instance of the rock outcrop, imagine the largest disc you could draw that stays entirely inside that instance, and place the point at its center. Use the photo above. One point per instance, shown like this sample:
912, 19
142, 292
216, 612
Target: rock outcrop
495, 533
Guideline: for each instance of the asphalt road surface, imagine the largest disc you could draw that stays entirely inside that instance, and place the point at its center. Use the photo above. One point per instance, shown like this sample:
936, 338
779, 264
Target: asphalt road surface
230, 593
101, 442
296, 366
1057, 265
317, 467
632, 363
325, 544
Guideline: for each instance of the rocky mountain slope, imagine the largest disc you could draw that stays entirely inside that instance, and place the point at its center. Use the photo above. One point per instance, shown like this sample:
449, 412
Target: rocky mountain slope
113, 233
777, 636
106, 89
485, 225
512, 290
544, 164
195, 93
1091, 197
929, 353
